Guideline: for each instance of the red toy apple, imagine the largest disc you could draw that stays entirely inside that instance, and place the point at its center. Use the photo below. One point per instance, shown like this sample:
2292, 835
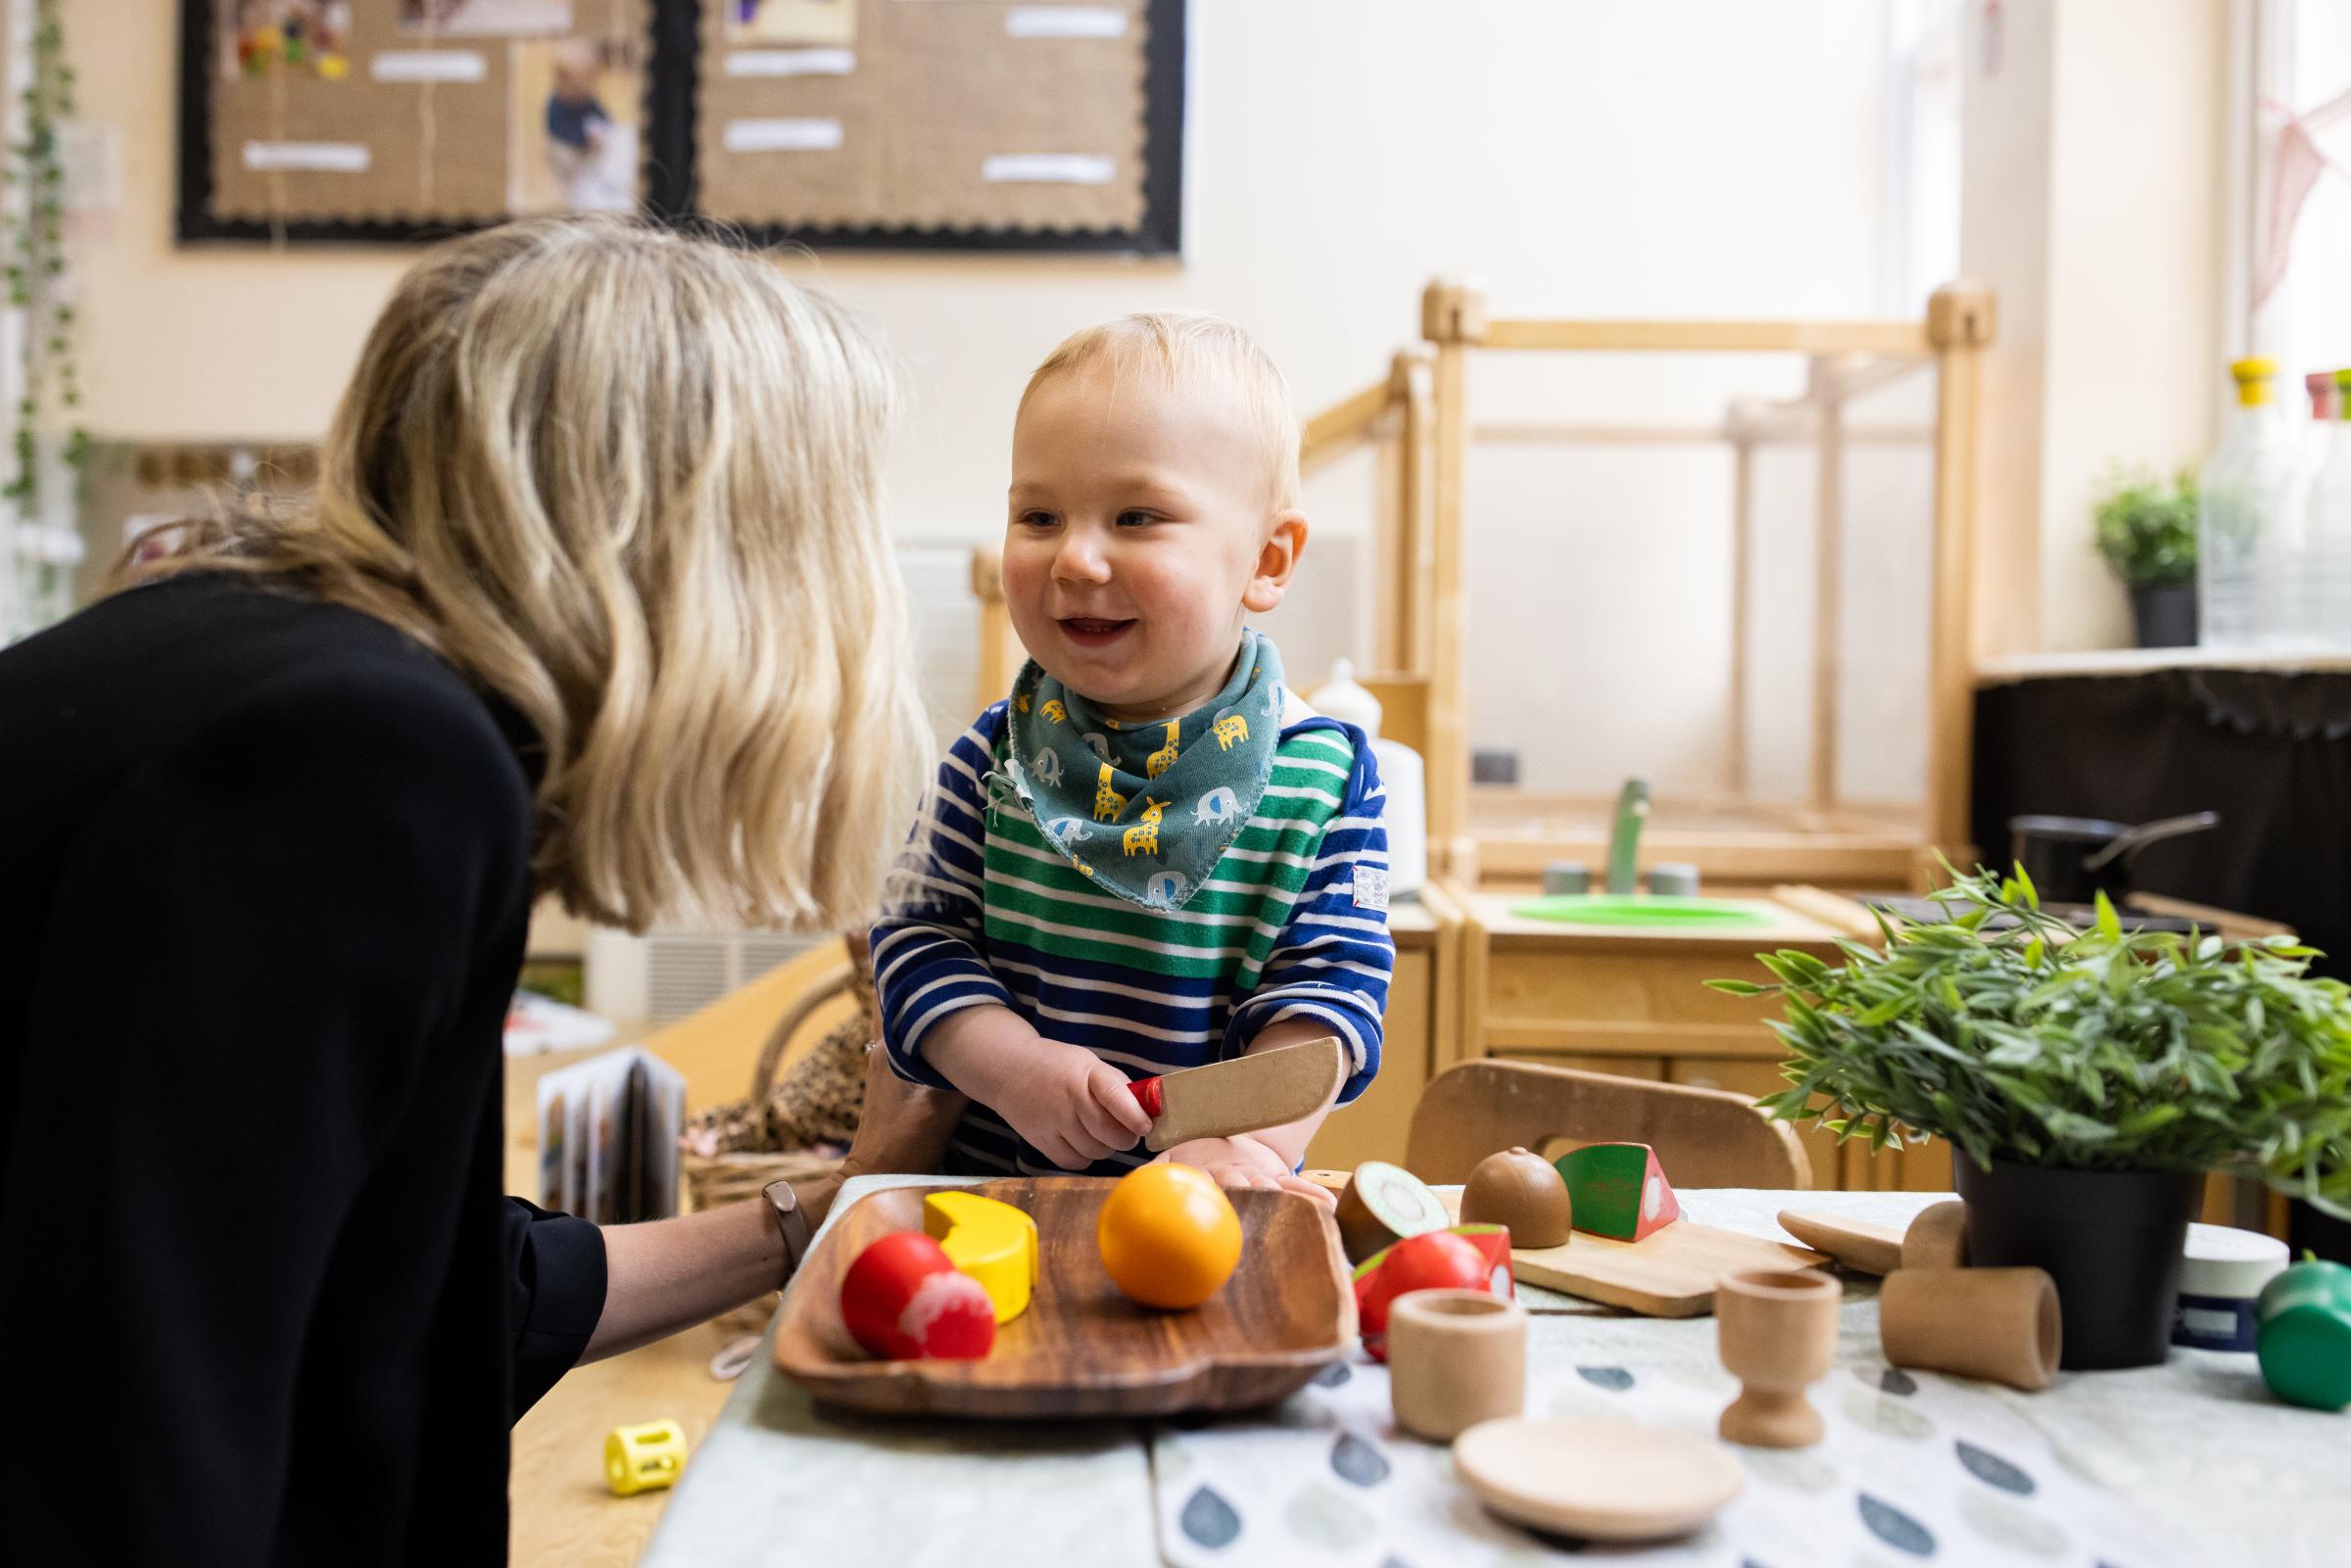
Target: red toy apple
1464, 1257
901, 1298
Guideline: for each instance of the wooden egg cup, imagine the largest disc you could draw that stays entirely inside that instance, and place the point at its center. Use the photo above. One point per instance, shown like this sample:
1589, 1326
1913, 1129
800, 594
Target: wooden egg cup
1778, 1335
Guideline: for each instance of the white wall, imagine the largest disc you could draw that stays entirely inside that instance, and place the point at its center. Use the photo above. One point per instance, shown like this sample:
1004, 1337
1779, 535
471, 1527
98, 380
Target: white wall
2092, 206
1712, 157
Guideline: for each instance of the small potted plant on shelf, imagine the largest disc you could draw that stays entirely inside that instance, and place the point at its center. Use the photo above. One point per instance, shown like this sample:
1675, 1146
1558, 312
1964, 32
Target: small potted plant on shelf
2146, 529
2086, 1080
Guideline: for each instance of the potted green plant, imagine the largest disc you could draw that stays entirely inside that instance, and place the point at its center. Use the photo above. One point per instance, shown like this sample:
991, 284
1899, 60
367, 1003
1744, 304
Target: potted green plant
2086, 1081
2146, 529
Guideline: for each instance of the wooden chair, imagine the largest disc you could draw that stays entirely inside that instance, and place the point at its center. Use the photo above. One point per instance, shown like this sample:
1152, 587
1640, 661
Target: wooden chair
1703, 1137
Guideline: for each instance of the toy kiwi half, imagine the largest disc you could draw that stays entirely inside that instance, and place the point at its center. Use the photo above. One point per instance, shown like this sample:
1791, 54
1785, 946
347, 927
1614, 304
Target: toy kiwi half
1523, 1192
1382, 1205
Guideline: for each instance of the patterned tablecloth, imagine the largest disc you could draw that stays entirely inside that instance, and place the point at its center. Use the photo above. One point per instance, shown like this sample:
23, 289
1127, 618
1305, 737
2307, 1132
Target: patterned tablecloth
2190, 1464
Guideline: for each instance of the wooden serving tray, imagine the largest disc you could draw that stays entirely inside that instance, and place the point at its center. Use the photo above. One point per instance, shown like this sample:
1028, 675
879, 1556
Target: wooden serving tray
1082, 1348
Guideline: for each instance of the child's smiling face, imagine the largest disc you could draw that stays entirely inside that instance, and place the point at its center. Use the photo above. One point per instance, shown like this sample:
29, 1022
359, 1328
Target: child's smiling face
1144, 523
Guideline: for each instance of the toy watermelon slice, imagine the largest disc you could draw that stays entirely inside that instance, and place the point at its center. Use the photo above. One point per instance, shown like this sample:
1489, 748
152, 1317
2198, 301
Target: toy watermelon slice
1618, 1190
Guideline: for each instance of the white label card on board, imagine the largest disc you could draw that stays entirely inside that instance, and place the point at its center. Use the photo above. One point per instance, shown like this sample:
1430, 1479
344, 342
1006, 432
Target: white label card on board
782, 135
791, 61
1049, 169
1065, 22
428, 64
329, 158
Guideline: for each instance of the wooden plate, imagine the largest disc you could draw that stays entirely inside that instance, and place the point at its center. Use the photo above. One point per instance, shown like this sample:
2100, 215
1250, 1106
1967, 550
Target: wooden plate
1082, 1348
1855, 1244
1598, 1480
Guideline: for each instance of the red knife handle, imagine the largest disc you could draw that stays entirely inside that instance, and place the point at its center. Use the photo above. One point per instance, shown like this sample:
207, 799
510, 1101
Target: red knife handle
1147, 1095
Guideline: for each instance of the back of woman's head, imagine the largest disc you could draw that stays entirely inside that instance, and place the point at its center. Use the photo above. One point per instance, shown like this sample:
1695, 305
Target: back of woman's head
626, 480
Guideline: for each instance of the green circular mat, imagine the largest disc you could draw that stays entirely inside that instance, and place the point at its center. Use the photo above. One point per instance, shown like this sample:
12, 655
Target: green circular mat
1602, 909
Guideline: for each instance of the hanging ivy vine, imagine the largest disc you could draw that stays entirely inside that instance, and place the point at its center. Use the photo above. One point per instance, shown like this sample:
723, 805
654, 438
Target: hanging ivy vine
34, 240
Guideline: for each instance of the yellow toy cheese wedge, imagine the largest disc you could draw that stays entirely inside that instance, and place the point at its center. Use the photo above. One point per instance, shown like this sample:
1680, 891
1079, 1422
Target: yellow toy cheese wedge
994, 1243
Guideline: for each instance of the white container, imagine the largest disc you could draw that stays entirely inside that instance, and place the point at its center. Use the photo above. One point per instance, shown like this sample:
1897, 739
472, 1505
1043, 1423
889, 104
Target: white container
2326, 575
1401, 770
2221, 1275
2246, 526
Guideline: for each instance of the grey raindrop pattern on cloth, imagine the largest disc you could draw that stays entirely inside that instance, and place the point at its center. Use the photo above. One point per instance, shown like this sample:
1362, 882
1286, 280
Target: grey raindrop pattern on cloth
1887, 1417
1894, 1379
1895, 1528
1615, 1379
1334, 1375
1355, 1460
1796, 1469
2020, 1530
1320, 1516
1993, 1470
1209, 1519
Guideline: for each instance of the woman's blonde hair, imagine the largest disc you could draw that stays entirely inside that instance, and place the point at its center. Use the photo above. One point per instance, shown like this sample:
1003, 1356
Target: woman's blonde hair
626, 480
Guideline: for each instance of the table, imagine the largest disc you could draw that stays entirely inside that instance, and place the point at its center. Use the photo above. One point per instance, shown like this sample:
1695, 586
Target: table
2188, 1463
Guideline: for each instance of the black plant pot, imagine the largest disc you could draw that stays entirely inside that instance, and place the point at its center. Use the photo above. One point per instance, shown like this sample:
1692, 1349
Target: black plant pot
2166, 616
2111, 1239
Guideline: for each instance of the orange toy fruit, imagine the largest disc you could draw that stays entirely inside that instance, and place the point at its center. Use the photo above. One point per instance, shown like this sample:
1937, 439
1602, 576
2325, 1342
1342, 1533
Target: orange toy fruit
1168, 1235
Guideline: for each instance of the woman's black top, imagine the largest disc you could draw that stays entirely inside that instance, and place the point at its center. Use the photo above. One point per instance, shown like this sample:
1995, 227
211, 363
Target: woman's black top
263, 889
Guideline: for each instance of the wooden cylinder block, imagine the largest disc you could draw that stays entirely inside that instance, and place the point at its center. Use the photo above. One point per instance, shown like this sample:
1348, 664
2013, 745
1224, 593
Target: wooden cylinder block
1999, 1324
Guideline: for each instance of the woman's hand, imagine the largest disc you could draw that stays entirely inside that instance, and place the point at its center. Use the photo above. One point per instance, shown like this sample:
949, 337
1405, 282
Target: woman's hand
1243, 1162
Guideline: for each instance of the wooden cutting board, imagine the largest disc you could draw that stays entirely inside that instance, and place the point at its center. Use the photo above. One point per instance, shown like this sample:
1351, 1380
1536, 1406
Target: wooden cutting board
1082, 1348
1669, 1273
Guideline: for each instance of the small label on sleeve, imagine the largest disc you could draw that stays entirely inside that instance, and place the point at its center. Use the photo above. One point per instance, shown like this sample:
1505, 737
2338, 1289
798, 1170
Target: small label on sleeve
1371, 888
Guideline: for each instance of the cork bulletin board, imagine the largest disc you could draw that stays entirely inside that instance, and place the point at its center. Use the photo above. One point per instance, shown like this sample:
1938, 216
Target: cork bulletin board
915, 125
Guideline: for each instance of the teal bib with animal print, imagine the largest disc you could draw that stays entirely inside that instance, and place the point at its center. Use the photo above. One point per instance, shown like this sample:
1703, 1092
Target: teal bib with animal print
1147, 811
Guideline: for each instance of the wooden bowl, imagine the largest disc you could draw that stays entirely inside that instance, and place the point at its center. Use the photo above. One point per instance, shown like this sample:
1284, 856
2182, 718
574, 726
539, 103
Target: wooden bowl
1082, 1348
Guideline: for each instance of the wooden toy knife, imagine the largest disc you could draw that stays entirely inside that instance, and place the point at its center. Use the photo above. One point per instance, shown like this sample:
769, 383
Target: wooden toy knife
1249, 1092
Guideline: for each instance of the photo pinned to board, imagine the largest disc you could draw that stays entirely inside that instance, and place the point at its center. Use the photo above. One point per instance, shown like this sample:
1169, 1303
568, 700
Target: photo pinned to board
484, 18
309, 36
827, 21
576, 124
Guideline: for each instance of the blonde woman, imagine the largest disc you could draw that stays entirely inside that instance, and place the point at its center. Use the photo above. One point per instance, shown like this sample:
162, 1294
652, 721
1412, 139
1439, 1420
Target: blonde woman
593, 599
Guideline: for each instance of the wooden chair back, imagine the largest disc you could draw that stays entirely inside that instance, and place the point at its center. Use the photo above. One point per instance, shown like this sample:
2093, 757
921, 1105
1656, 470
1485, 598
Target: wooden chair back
1703, 1137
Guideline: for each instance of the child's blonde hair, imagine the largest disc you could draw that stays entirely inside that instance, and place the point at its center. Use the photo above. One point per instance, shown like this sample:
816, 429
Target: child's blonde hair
626, 480
1175, 345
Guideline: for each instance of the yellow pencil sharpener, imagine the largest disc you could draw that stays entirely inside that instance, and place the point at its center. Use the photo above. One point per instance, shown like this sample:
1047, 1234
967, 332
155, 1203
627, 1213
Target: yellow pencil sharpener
639, 1459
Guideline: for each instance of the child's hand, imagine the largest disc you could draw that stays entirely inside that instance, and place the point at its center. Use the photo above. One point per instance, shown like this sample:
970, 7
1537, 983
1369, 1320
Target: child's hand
1072, 1107
1243, 1162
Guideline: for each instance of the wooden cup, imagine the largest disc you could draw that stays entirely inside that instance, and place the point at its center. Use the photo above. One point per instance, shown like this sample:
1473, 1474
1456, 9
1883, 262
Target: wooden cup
1455, 1358
1777, 1333
1999, 1324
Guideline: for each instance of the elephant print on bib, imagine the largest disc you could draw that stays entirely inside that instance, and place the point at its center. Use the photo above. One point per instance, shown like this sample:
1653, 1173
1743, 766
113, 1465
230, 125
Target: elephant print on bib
1216, 806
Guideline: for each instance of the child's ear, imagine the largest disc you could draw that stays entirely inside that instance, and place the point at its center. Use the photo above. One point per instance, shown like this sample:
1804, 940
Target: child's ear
1276, 563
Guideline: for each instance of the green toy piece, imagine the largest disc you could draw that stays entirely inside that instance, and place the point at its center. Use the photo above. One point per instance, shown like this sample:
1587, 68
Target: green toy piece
1618, 1190
2305, 1345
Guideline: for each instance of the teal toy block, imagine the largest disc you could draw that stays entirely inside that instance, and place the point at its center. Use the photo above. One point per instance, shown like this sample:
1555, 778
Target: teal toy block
1617, 1190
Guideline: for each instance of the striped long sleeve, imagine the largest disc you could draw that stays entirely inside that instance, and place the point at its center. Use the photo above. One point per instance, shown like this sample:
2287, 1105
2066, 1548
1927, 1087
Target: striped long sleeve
1333, 960
927, 947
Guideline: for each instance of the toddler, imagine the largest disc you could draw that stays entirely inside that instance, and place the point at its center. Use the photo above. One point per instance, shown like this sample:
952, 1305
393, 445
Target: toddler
1153, 856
